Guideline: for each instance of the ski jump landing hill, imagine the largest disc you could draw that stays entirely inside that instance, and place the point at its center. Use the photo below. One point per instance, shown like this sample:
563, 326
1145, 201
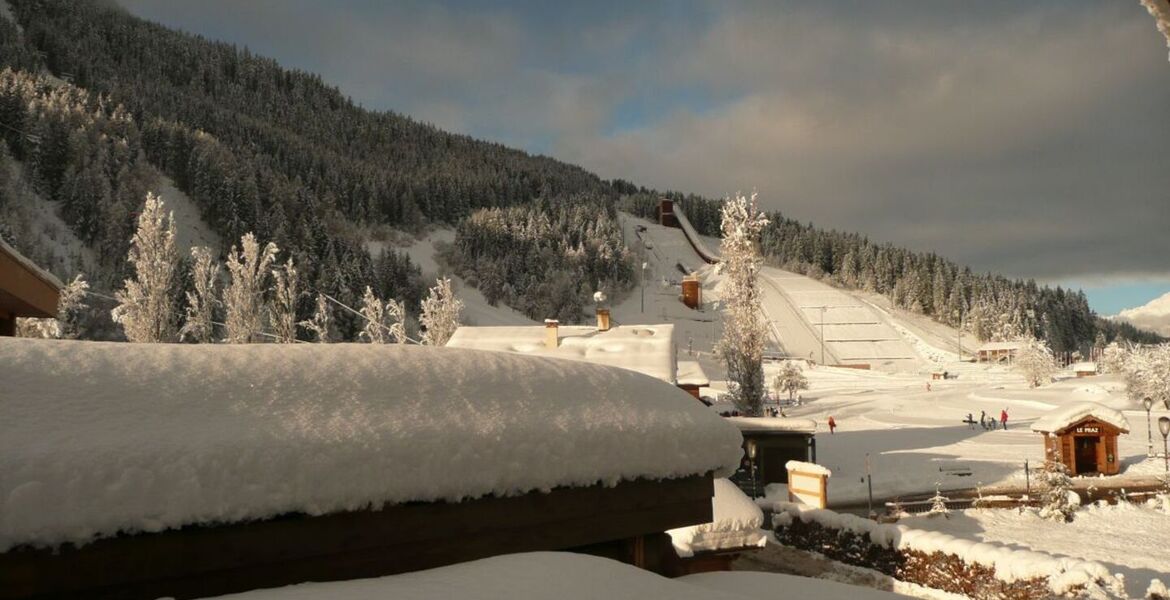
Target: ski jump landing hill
801, 311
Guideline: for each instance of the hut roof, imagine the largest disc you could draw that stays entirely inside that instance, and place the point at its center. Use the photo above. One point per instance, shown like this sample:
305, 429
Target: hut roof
1062, 418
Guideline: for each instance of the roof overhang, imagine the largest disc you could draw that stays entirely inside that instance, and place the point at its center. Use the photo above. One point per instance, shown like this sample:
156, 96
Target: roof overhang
25, 289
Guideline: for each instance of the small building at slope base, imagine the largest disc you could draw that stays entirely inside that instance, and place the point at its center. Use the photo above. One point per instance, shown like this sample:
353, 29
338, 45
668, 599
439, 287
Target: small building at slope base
1083, 437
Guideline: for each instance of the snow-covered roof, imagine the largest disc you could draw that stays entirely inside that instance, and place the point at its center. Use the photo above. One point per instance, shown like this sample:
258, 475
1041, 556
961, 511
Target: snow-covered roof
690, 372
1063, 418
807, 467
1083, 367
647, 349
774, 424
736, 523
99, 437
992, 346
30, 266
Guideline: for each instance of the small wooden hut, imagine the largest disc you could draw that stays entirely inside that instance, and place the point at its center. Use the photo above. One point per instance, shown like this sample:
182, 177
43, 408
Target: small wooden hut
1084, 437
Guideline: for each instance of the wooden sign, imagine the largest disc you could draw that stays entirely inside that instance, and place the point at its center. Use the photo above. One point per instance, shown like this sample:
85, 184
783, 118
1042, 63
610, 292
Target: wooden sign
1088, 429
808, 483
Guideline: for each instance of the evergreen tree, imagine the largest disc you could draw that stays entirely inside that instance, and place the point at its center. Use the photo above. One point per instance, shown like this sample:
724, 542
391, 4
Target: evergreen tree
282, 310
742, 345
200, 322
144, 303
244, 297
440, 313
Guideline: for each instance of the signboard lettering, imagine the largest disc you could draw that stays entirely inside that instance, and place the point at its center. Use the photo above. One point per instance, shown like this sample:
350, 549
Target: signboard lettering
1088, 429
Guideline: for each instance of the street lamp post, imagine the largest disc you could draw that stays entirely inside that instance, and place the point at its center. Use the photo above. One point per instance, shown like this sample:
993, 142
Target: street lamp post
643, 278
1164, 427
1149, 403
751, 448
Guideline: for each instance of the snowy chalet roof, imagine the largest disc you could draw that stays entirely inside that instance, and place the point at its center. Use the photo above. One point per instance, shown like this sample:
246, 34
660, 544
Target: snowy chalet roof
98, 437
647, 349
690, 372
736, 524
992, 346
1083, 367
1062, 418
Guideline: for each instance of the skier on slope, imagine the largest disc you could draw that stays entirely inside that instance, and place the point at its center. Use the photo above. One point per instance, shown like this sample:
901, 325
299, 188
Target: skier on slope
832, 425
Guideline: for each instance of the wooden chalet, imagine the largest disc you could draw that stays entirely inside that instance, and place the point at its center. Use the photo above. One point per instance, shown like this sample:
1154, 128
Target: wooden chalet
1084, 438
993, 352
769, 443
26, 290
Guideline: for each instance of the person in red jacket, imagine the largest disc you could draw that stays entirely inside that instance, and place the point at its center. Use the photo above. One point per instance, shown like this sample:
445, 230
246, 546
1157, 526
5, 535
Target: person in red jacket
1003, 418
832, 425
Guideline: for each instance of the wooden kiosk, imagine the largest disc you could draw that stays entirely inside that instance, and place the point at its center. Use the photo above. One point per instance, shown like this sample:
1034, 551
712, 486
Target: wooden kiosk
1084, 437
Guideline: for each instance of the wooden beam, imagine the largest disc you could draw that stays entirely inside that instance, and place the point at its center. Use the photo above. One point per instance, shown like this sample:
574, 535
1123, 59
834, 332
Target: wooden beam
203, 561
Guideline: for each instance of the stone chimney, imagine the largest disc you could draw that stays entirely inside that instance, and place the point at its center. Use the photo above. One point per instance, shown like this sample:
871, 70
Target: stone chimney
551, 330
603, 319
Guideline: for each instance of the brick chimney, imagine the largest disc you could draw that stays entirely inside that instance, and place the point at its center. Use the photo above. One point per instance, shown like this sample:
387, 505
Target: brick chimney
551, 330
603, 319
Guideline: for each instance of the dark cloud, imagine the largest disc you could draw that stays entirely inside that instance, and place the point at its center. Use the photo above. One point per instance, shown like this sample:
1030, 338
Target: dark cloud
1030, 139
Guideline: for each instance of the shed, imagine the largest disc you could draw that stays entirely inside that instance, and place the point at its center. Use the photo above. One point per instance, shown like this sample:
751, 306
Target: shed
26, 290
1084, 437
691, 377
997, 352
1084, 369
148, 470
692, 291
768, 444
666, 213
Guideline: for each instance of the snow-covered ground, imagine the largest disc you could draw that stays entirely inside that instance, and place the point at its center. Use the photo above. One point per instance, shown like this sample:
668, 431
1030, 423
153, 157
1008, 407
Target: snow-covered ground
476, 309
538, 575
1133, 540
190, 227
97, 437
914, 438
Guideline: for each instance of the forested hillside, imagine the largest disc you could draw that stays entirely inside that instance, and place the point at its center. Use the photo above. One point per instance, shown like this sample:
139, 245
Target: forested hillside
96, 105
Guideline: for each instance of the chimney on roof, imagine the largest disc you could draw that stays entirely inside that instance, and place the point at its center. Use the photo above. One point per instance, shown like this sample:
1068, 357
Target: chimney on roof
551, 329
603, 319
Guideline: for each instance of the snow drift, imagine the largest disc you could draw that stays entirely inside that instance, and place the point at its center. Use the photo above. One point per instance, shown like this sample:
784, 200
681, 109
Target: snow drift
97, 438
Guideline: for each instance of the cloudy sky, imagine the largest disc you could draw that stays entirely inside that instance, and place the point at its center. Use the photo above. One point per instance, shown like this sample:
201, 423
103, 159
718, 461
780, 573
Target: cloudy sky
1031, 139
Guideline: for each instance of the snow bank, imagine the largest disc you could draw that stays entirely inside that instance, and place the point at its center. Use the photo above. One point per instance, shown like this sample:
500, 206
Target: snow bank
97, 438
1063, 574
1062, 418
562, 576
767, 586
737, 522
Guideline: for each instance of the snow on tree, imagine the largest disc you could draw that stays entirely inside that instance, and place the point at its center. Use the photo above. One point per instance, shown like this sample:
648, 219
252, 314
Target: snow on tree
790, 379
244, 297
938, 504
1113, 359
67, 323
1160, 10
199, 325
320, 322
384, 320
282, 311
1058, 501
742, 344
440, 313
145, 309
1034, 359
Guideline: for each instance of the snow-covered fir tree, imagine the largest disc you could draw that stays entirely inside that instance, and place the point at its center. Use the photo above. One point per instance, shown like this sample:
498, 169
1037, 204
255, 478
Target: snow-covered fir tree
145, 307
1035, 361
282, 310
243, 298
384, 320
1058, 501
938, 504
790, 380
1112, 359
320, 322
440, 313
201, 302
742, 345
